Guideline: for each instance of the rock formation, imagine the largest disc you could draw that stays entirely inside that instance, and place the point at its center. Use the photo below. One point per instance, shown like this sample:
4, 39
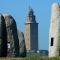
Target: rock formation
22, 46
3, 37
12, 42
12, 36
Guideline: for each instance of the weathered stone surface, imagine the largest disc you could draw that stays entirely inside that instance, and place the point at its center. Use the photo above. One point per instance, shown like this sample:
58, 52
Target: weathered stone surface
22, 46
3, 37
31, 32
54, 33
12, 42
12, 36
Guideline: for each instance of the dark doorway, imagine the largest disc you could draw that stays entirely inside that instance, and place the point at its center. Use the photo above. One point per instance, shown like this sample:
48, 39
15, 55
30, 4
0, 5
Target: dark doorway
52, 40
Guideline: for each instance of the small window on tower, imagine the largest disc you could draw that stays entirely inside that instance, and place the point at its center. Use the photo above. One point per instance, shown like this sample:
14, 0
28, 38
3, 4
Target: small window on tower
52, 40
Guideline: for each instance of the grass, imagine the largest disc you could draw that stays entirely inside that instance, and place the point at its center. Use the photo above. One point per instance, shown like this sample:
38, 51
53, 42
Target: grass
26, 58
55, 58
31, 58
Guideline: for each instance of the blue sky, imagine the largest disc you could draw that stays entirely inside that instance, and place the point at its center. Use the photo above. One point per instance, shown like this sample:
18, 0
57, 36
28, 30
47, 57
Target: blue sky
19, 10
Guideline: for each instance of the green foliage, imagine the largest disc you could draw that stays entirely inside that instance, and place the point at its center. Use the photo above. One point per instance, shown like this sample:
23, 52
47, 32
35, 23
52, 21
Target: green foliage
26, 58
54, 58
31, 58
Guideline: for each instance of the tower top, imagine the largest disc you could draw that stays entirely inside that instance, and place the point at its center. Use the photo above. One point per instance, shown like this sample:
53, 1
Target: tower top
31, 16
31, 12
55, 9
55, 5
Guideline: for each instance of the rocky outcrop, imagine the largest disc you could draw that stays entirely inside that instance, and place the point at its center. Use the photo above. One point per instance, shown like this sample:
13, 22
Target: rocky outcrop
3, 37
12, 36
22, 47
12, 42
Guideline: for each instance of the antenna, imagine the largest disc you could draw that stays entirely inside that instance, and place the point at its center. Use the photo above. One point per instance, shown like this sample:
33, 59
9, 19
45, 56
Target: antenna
29, 4
29, 7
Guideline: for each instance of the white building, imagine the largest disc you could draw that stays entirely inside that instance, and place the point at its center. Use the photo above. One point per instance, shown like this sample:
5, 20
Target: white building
54, 32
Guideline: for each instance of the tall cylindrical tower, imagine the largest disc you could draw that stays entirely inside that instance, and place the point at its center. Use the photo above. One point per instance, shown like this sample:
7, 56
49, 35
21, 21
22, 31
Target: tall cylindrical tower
31, 32
54, 38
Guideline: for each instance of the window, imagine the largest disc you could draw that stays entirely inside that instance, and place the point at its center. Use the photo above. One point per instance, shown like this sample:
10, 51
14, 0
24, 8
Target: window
52, 40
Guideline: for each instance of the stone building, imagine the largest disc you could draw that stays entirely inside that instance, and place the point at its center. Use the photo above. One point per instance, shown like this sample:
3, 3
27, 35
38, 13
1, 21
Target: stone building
31, 32
54, 33
3, 37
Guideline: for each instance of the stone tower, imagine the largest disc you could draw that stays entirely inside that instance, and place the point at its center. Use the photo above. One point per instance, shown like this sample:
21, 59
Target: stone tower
3, 37
31, 32
54, 33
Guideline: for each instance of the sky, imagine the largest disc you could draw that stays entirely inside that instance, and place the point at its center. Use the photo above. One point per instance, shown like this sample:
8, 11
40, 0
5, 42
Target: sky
42, 10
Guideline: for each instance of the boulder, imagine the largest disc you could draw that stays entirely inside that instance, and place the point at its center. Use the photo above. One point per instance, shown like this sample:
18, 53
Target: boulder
12, 36
22, 47
3, 37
